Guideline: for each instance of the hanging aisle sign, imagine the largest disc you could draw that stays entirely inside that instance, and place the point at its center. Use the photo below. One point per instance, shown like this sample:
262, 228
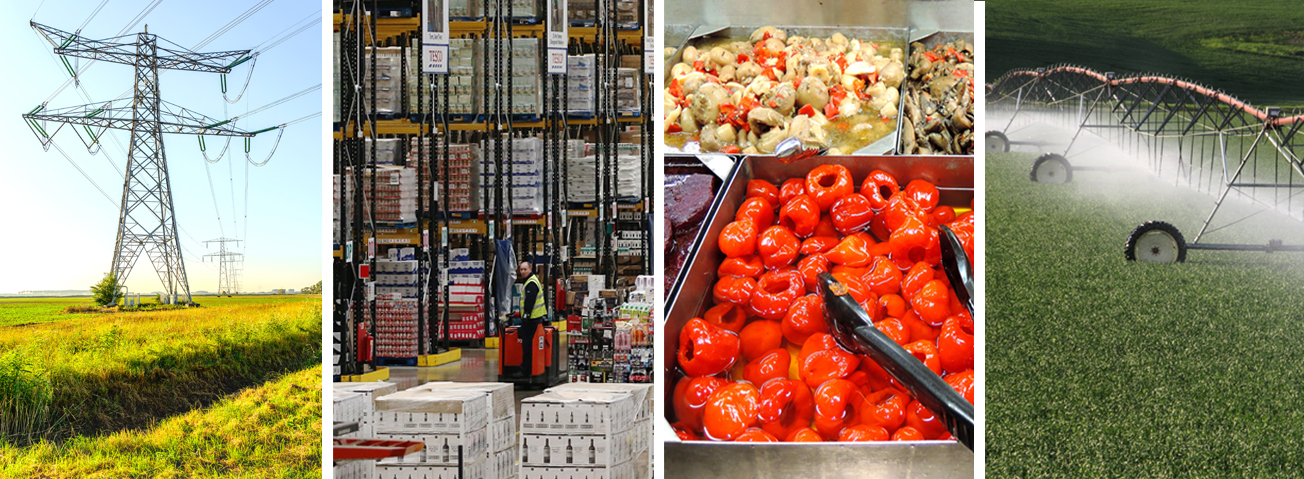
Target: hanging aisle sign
434, 37
557, 36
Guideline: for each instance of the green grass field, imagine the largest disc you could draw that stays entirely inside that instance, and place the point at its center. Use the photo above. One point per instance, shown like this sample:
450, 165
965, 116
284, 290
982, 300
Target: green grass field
269, 431
1099, 367
43, 310
70, 378
1255, 52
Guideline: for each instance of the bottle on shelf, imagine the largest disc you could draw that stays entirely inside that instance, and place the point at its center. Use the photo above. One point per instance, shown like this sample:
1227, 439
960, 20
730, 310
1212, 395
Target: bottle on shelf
570, 453
593, 453
547, 454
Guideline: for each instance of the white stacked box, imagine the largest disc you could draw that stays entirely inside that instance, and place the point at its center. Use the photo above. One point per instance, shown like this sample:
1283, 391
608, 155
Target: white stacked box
581, 81
348, 407
355, 469
527, 175
628, 82
335, 75
573, 433
386, 150
501, 452
370, 391
642, 392
443, 420
396, 277
583, 186
387, 77
522, 94
396, 328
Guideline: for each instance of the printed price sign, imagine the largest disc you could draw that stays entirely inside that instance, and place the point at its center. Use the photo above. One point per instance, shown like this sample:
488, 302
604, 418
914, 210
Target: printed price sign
434, 59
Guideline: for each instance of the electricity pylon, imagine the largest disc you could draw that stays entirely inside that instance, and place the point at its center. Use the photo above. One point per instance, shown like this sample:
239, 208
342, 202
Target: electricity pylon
227, 271
147, 222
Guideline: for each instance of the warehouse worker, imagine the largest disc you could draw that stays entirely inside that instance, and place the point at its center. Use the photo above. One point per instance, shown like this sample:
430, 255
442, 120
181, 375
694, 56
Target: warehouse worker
533, 311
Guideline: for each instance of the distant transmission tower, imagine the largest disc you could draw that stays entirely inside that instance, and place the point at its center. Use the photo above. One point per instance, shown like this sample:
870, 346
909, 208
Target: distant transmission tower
228, 271
147, 222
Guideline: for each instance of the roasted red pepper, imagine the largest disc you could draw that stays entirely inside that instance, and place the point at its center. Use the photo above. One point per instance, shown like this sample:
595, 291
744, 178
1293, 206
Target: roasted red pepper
805, 318
759, 337
955, 344
785, 407
749, 266
726, 316
778, 247
907, 434
730, 410
884, 277
775, 293
705, 350
863, 433
910, 242
885, 408
932, 303
926, 352
773, 364
924, 421
791, 189
922, 194
756, 435
735, 290
763, 189
827, 183
851, 214
818, 244
836, 404
804, 434
962, 382
800, 215
810, 267
852, 251
690, 398
738, 239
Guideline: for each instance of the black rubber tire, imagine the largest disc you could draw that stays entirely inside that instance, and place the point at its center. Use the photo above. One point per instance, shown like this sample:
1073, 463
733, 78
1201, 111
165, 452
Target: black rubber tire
998, 136
1051, 160
1155, 254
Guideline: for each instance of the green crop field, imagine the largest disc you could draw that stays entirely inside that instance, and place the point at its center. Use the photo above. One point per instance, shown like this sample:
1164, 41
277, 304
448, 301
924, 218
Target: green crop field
14, 311
1252, 50
72, 384
1100, 367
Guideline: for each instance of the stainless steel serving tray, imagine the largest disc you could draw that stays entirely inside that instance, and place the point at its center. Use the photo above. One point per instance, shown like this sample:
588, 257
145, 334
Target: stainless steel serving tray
930, 39
690, 297
706, 33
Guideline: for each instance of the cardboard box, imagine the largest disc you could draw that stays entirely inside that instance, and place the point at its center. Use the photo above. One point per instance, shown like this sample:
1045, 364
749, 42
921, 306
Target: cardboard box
442, 448
474, 470
502, 434
577, 412
579, 451
620, 471
355, 469
348, 406
432, 412
502, 395
642, 394
502, 464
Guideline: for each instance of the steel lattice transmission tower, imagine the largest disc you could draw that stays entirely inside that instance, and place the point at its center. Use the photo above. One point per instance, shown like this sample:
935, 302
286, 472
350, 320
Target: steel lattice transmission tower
227, 265
147, 222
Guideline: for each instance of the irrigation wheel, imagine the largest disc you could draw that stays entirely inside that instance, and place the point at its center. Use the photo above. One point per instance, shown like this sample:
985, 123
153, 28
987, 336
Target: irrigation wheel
996, 142
1051, 168
1155, 242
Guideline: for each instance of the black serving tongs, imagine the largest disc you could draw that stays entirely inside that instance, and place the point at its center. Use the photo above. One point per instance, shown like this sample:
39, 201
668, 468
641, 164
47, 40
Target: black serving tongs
957, 266
854, 331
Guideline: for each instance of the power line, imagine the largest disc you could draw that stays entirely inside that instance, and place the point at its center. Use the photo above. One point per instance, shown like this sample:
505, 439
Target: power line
93, 14
232, 24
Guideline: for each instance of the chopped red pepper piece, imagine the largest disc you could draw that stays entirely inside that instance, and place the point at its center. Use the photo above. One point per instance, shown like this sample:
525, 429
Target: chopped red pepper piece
807, 110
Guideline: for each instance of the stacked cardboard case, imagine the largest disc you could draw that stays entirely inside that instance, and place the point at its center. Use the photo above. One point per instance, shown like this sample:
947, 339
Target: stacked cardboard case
501, 453
527, 175
522, 92
466, 297
387, 78
395, 196
586, 431
396, 327
444, 420
463, 172
581, 80
396, 277
356, 402
582, 184
461, 78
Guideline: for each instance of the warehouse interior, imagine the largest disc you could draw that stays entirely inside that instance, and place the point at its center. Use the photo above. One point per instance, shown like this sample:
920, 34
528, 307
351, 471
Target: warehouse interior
450, 168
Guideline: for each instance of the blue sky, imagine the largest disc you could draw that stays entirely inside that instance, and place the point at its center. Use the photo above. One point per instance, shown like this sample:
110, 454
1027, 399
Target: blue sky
59, 229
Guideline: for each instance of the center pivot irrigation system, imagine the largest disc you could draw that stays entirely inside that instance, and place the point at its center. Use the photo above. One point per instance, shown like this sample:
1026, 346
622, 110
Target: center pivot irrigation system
1185, 132
147, 221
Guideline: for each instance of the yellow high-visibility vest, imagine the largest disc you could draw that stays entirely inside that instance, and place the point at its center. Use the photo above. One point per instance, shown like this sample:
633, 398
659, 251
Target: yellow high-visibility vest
540, 308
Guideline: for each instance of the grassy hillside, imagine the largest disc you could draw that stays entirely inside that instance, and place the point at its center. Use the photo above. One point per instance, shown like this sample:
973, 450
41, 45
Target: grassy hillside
1253, 50
1099, 367
270, 431
108, 372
